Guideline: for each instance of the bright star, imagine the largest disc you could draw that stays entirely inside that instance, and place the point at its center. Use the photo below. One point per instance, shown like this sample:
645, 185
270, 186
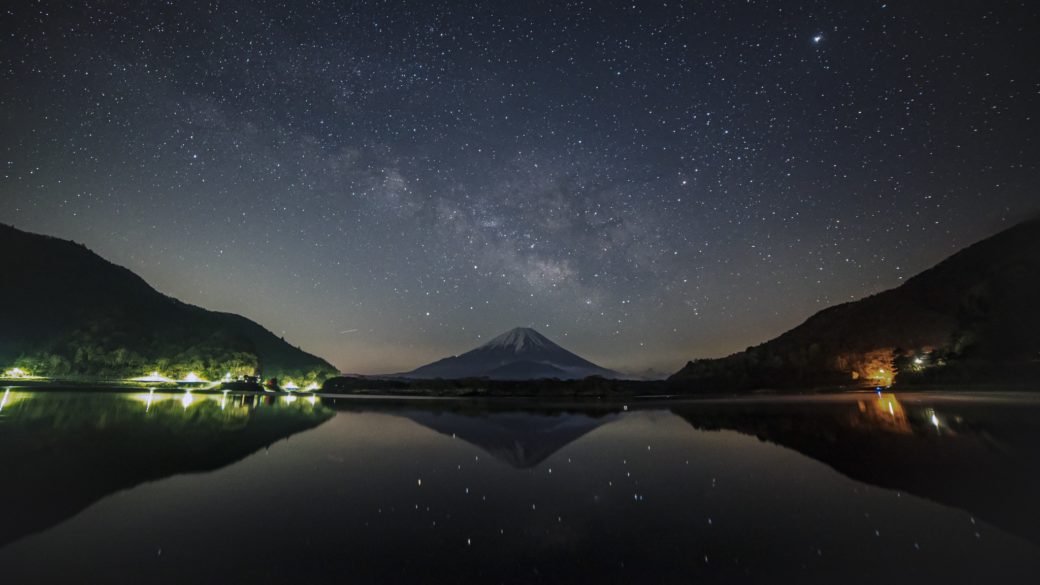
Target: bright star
816, 39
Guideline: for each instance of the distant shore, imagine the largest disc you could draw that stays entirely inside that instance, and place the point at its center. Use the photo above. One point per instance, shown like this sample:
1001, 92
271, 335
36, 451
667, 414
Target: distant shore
548, 389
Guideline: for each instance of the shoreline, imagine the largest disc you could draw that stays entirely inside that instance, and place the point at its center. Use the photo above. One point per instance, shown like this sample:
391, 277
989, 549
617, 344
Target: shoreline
1013, 392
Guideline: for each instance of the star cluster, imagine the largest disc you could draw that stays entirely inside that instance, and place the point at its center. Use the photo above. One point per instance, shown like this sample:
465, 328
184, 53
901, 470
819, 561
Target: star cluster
645, 182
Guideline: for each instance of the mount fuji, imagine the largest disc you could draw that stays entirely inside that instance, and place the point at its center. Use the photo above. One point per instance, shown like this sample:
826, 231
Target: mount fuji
517, 354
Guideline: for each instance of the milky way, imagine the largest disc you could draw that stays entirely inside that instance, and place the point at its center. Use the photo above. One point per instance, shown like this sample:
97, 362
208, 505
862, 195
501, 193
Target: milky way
389, 182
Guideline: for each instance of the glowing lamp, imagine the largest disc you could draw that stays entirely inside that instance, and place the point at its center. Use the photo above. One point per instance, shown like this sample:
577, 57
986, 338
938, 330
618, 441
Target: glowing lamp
191, 378
153, 377
16, 373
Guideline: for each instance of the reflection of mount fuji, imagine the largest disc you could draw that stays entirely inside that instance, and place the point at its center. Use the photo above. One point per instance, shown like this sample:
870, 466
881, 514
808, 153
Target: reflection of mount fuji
520, 439
520, 435
63, 452
978, 457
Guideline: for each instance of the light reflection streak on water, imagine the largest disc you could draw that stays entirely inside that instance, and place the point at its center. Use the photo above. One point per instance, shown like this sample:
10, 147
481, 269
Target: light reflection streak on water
226, 400
933, 417
3, 403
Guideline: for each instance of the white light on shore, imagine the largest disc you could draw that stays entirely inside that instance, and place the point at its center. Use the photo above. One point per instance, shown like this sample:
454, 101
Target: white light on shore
153, 377
16, 373
191, 378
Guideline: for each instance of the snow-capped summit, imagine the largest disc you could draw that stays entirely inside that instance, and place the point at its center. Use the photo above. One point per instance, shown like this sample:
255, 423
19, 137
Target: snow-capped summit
518, 354
519, 339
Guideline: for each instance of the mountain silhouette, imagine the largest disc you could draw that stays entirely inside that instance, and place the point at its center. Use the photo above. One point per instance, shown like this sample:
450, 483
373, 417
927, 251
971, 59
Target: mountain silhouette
518, 354
974, 313
74, 314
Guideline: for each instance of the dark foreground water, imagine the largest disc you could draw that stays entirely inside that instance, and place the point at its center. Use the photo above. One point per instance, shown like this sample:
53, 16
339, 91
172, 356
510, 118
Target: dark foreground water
175, 488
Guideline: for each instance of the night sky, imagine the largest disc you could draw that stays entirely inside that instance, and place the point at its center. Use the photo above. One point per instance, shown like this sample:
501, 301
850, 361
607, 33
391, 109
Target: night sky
386, 183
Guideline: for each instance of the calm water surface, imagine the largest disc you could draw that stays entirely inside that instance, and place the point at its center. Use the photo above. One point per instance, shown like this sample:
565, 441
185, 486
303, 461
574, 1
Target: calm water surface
178, 488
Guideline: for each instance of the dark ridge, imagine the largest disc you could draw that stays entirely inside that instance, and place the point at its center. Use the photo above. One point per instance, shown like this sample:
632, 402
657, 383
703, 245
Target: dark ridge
970, 318
69, 313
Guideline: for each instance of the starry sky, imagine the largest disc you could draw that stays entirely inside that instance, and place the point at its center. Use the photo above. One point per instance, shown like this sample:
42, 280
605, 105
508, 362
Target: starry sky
386, 183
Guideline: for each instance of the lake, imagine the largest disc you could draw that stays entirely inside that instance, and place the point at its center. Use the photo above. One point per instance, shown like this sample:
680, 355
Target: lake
214, 488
